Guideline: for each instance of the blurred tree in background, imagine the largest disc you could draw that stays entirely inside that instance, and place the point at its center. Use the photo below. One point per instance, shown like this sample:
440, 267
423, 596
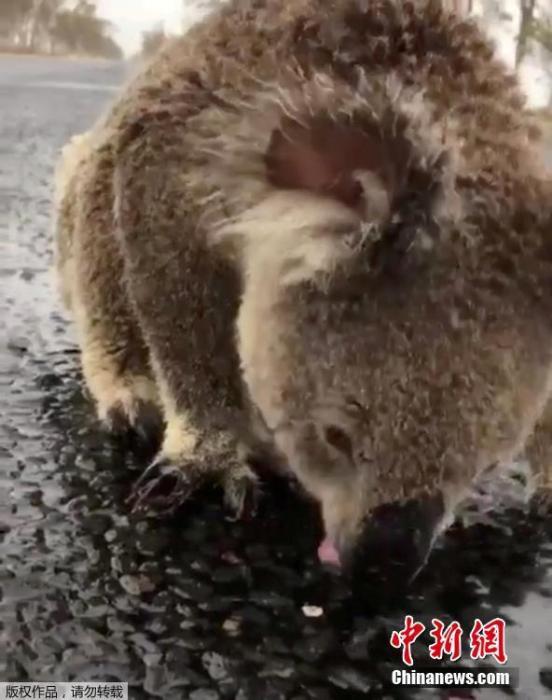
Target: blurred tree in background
526, 25
527, 20
57, 27
541, 33
153, 39
535, 34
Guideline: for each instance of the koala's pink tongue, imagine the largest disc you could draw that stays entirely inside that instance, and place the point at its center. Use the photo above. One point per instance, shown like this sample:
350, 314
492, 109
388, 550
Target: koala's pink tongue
328, 554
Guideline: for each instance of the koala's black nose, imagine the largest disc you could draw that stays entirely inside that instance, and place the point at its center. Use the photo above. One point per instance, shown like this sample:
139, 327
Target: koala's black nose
398, 538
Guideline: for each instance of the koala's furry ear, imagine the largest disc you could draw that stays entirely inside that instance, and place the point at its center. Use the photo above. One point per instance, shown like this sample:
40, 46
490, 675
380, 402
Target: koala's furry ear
346, 162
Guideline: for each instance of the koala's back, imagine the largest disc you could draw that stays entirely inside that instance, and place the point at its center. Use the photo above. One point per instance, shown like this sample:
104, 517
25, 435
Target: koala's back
229, 60
207, 89
211, 94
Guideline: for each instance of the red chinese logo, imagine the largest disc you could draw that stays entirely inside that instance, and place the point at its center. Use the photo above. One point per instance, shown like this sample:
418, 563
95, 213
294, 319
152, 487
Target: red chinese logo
406, 638
448, 640
489, 640
485, 640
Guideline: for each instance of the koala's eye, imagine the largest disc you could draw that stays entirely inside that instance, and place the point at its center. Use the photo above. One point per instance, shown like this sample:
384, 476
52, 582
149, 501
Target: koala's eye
339, 440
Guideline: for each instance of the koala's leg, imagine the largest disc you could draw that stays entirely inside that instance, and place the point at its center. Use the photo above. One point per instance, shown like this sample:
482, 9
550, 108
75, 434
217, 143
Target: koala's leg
186, 299
115, 359
538, 449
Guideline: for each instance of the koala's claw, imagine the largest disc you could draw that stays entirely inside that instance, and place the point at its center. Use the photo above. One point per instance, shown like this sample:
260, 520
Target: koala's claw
164, 487
241, 492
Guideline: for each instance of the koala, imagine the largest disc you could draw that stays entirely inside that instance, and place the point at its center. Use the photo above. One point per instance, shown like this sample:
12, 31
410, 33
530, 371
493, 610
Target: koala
321, 233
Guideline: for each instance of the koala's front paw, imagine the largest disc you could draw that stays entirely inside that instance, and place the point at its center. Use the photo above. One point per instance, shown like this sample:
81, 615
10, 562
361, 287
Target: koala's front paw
166, 485
138, 427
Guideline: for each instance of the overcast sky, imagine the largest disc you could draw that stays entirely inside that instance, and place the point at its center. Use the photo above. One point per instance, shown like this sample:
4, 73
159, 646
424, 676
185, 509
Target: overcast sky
132, 17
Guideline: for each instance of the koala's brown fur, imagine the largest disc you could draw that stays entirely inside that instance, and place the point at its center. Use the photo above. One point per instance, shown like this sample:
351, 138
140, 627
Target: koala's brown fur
333, 213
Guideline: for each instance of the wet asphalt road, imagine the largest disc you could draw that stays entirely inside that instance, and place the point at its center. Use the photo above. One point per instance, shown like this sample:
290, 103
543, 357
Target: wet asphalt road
199, 607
